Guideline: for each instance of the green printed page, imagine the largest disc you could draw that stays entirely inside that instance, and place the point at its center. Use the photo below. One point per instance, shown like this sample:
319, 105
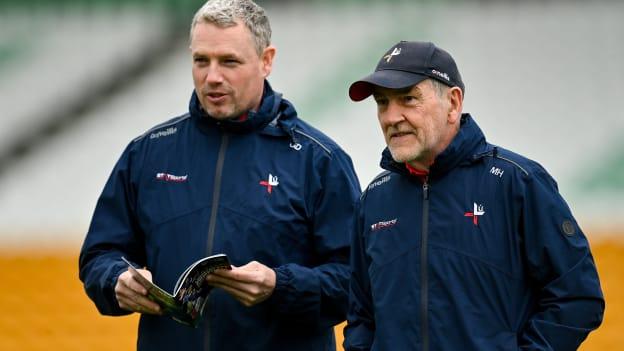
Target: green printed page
191, 292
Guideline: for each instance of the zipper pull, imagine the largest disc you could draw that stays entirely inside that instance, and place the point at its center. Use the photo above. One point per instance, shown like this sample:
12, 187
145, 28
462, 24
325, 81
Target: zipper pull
426, 188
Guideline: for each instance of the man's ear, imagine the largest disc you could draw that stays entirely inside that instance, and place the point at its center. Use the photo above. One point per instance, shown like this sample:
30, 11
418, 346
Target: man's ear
267, 60
455, 98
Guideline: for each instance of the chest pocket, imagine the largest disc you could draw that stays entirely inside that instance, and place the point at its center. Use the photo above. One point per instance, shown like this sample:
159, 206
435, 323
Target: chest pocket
388, 241
264, 213
167, 196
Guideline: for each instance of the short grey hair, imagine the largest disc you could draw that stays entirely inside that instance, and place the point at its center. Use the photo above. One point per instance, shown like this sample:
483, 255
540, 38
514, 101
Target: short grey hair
225, 13
440, 90
439, 87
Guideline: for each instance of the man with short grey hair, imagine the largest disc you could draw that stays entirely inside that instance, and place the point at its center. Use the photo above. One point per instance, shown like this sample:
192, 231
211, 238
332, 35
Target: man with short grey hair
240, 174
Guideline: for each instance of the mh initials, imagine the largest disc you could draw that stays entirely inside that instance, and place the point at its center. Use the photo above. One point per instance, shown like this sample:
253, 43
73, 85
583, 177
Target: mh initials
497, 172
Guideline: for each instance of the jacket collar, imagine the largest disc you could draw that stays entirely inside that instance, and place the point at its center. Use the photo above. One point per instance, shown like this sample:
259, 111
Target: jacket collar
468, 143
256, 120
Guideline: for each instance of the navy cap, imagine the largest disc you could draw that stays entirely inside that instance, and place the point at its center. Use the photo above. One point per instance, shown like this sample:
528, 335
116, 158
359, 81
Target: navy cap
406, 64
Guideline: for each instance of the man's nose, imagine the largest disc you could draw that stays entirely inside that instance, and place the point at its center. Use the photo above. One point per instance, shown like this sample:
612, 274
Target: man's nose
393, 114
214, 75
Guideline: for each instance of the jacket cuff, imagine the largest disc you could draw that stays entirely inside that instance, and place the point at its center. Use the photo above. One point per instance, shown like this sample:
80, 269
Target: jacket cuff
283, 282
286, 298
113, 308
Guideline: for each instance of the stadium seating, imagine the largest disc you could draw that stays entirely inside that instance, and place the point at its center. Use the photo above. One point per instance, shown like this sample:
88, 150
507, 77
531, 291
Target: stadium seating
78, 82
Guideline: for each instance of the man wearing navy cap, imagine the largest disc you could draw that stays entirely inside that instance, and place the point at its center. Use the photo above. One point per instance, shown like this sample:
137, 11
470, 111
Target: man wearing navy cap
460, 244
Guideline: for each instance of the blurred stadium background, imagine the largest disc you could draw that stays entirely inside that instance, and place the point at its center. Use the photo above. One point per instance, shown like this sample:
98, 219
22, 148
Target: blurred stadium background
80, 79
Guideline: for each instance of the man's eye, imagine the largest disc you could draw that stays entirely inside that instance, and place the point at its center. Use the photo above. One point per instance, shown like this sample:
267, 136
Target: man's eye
381, 101
409, 99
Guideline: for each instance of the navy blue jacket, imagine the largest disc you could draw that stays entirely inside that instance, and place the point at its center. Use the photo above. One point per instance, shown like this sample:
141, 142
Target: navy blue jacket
193, 187
482, 254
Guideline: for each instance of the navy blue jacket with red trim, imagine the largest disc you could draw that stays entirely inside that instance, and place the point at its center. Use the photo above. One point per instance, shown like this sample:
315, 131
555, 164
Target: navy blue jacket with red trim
482, 254
270, 188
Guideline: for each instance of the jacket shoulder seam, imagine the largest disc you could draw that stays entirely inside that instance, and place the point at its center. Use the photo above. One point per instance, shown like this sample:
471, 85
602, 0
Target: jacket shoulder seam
513, 163
169, 123
495, 153
379, 176
315, 140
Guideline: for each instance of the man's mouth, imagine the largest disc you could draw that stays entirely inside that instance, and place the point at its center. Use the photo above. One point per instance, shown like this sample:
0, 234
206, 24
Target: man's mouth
215, 97
399, 134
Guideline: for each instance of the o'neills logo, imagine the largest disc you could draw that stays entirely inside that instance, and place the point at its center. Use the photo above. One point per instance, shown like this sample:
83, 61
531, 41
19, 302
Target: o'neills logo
441, 74
378, 182
166, 177
383, 224
162, 133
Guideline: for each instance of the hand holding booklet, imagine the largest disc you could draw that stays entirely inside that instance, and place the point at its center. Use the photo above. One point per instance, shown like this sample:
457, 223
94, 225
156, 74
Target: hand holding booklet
190, 294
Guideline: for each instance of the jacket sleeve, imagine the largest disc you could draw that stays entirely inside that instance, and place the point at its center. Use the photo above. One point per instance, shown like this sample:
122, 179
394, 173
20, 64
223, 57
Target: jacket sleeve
112, 234
360, 330
570, 303
316, 295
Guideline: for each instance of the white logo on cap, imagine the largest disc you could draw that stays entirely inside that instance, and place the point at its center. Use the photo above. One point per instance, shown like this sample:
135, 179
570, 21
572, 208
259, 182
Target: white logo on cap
394, 52
440, 74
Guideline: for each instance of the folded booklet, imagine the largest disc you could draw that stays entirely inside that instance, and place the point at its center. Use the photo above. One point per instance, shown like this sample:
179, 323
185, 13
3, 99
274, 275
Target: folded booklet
190, 294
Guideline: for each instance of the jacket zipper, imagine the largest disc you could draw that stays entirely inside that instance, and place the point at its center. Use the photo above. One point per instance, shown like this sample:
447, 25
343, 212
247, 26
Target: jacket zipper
424, 294
216, 191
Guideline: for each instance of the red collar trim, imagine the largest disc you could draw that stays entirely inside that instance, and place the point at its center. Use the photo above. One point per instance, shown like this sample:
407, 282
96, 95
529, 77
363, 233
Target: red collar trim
420, 173
243, 117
